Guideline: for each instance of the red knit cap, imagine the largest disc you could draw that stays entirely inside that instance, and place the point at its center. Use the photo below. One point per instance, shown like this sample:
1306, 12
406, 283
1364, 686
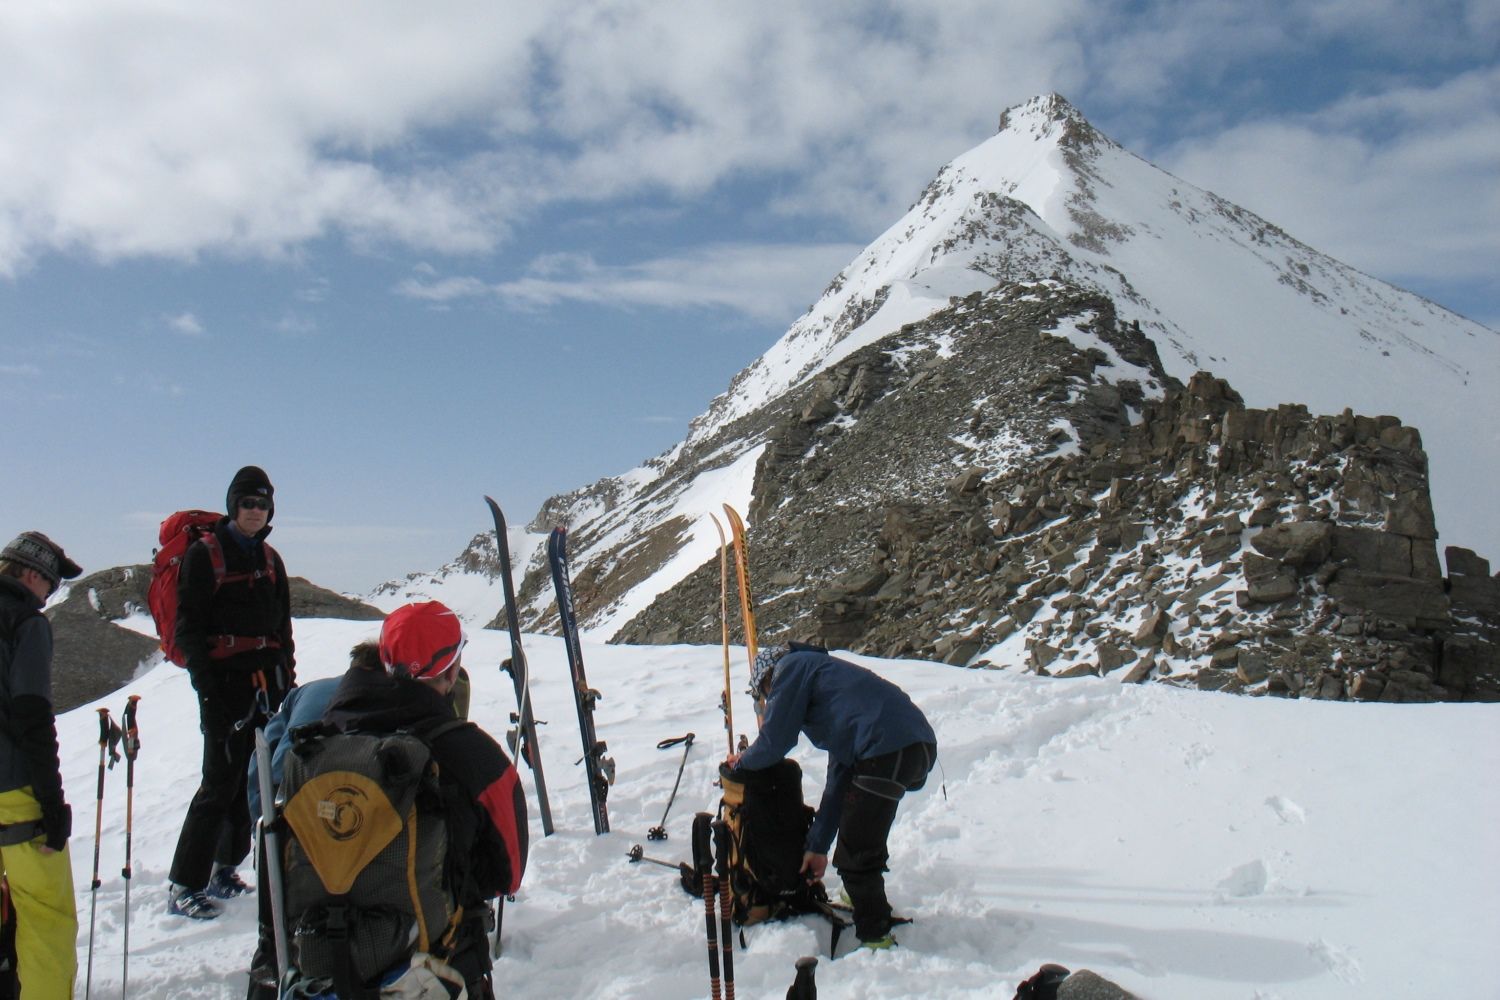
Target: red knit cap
421, 640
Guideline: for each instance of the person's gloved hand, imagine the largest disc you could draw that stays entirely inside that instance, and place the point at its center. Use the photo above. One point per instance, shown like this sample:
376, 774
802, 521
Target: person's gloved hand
57, 824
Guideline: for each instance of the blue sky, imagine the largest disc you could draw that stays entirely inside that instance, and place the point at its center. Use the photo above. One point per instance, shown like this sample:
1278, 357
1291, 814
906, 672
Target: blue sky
404, 255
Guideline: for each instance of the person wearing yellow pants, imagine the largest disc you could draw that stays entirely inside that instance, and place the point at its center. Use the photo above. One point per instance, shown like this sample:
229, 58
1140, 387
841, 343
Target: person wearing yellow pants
41, 891
35, 821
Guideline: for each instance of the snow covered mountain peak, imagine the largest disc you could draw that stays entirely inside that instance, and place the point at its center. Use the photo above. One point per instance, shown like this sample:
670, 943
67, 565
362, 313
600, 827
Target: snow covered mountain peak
1050, 198
1050, 118
1049, 209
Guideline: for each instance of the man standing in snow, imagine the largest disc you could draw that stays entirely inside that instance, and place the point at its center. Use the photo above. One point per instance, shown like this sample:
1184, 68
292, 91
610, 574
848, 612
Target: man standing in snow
421, 646
35, 821
880, 746
234, 623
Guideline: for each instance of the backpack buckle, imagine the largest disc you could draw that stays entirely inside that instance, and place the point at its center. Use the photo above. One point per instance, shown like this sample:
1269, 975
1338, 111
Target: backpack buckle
336, 923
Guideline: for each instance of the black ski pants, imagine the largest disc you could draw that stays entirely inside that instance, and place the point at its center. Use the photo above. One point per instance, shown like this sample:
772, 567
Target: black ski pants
217, 825
870, 802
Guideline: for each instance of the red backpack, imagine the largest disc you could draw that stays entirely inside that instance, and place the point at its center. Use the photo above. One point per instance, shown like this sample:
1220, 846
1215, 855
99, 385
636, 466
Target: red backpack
177, 534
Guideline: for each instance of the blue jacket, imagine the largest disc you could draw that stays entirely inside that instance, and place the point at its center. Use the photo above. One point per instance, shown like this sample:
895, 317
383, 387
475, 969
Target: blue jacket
303, 706
844, 709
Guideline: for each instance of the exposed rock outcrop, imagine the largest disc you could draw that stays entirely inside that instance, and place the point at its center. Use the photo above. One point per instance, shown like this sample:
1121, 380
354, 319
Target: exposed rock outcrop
1202, 542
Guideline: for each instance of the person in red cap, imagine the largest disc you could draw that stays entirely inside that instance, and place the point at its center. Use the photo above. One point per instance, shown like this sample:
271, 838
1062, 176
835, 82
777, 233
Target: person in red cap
422, 647
35, 820
234, 622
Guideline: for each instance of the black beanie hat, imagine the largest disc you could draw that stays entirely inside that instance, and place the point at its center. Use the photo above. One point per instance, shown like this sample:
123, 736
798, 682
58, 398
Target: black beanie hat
251, 481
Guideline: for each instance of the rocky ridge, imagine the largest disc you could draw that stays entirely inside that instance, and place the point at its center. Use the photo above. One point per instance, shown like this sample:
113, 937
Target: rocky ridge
1086, 529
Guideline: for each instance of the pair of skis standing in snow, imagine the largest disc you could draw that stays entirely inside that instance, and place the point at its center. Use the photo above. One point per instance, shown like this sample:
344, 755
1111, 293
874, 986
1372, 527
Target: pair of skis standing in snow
874, 764
599, 766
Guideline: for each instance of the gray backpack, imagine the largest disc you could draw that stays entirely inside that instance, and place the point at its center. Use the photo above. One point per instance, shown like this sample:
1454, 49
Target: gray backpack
366, 858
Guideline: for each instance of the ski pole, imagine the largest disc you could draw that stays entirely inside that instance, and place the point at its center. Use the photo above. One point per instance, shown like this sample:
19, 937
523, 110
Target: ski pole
109, 739
660, 832
269, 839
728, 705
500, 922
131, 746
637, 854
726, 921
703, 859
804, 987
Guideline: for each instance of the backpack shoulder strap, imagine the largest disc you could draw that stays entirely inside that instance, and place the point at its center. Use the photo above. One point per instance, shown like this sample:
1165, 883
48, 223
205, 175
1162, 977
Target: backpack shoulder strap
428, 732
215, 555
271, 558
221, 574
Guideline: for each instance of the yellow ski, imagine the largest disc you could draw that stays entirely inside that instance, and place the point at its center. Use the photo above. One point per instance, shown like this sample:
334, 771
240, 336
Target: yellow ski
728, 705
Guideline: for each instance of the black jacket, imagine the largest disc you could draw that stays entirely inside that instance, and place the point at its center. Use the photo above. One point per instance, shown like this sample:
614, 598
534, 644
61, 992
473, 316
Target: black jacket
245, 608
487, 821
28, 730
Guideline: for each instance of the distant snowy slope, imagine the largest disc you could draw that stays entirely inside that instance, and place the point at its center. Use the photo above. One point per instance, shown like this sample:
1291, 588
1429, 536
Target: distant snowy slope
470, 584
1186, 845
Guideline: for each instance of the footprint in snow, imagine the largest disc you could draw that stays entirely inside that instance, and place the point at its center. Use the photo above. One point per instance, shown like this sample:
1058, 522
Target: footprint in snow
1286, 810
1344, 966
1196, 755
1249, 879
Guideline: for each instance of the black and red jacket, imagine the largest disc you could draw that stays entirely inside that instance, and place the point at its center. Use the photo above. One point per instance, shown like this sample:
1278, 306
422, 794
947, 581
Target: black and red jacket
254, 602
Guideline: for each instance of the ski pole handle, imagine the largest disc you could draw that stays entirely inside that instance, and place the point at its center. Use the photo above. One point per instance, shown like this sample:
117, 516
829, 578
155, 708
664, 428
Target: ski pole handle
132, 740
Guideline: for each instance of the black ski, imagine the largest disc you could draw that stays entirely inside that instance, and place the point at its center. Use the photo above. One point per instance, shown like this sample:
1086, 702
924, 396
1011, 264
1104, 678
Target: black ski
600, 769
526, 746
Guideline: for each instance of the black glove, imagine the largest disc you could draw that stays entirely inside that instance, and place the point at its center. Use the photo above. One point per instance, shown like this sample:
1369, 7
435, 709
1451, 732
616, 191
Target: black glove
57, 824
201, 675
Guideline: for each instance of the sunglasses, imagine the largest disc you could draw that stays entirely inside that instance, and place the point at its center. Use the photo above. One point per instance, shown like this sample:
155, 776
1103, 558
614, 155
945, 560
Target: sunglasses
254, 503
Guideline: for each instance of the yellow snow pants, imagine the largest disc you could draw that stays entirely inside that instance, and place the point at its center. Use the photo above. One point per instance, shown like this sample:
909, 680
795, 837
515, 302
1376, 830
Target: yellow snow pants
41, 890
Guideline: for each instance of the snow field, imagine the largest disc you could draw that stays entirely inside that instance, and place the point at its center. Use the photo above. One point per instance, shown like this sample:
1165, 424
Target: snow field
1185, 845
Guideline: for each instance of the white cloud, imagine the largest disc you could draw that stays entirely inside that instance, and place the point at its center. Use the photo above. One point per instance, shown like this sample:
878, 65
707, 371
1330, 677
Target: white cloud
170, 129
175, 129
314, 291
429, 288
184, 323
295, 325
767, 282
1402, 182
24, 371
